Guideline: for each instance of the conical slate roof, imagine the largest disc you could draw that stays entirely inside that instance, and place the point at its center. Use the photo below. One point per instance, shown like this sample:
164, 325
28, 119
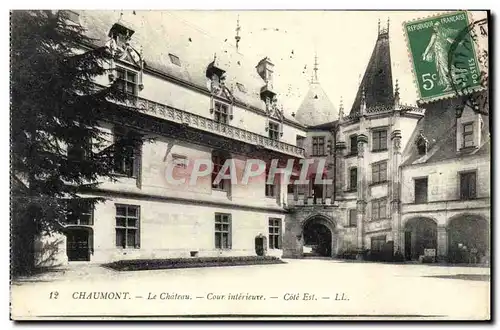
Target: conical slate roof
316, 108
377, 80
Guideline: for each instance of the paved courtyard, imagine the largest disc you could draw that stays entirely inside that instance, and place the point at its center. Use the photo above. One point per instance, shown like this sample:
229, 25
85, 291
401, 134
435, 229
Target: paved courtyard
299, 287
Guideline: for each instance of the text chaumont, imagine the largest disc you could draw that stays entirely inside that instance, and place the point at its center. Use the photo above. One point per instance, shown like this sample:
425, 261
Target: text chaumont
102, 295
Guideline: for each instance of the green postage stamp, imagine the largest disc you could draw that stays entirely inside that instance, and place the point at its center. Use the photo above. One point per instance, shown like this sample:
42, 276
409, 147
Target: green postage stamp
444, 59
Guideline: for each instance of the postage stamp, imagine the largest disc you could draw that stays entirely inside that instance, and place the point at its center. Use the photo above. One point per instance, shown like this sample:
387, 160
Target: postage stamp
434, 44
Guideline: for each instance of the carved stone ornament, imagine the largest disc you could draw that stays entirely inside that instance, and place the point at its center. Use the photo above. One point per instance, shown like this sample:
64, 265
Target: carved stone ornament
397, 144
361, 206
361, 149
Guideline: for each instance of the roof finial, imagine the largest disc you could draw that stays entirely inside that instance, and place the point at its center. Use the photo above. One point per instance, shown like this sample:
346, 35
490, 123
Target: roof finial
388, 22
396, 90
315, 72
341, 108
121, 16
379, 26
396, 96
238, 28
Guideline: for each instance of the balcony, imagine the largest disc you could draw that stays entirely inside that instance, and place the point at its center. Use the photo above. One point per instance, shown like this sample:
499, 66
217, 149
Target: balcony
302, 200
205, 124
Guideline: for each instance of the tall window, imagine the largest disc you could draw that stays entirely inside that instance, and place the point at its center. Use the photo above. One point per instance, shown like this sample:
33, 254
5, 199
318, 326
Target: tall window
379, 209
377, 243
126, 155
353, 141
275, 233
468, 135
379, 140
221, 113
421, 190
80, 212
127, 80
318, 146
353, 178
353, 218
222, 231
379, 172
274, 131
218, 160
299, 141
270, 187
468, 185
127, 226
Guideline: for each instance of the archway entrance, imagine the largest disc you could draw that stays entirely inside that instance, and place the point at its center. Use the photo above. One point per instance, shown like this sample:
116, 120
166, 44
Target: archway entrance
468, 239
420, 234
78, 243
318, 238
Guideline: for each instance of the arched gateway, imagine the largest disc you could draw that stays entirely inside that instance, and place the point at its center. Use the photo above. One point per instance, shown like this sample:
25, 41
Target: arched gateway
468, 239
319, 236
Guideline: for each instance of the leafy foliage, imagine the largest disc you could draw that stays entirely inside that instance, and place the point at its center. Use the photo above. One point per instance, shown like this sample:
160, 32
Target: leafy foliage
57, 146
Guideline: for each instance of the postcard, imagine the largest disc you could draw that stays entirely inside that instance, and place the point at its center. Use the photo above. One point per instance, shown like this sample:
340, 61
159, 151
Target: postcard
250, 165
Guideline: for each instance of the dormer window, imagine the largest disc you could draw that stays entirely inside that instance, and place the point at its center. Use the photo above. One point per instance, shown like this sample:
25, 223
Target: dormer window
127, 80
221, 114
274, 131
174, 59
468, 135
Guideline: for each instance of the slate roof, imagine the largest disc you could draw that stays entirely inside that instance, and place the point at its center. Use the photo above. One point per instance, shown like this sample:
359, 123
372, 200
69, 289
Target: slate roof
438, 126
160, 33
377, 80
316, 108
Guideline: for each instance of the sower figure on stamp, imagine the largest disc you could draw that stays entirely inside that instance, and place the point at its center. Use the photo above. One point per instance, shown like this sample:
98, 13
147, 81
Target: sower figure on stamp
437, 51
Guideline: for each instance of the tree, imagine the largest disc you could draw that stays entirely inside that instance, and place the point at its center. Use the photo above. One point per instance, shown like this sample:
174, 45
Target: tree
57, 147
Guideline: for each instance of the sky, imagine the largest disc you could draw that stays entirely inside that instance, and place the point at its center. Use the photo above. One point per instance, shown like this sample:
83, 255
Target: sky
342, 40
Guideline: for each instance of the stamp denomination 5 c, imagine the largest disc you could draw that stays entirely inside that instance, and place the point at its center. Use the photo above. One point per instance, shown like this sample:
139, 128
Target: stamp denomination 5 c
430, 41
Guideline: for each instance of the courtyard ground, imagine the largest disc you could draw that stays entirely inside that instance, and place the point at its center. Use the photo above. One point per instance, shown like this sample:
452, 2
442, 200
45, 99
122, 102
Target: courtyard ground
329, 288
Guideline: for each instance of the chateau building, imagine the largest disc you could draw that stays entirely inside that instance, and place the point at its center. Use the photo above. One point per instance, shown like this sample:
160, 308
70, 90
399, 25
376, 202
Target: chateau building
203, 104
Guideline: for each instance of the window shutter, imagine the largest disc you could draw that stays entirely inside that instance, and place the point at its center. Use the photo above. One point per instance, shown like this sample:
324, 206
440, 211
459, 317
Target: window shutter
230, 111
138, 165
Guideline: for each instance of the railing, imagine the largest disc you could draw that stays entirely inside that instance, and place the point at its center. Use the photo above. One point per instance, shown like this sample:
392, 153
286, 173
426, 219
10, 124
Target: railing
205, 124
303, 200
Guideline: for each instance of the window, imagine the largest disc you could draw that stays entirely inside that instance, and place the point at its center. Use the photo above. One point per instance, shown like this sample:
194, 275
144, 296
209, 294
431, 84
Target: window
222, 231
79, 212
467, 185
468, 135
379, 140
270, 187
274, 131
377, 243
127, 80
126, 153
174, 59
353, 140
218, 160
318, 146
241, 87
221, 113
353, 178
290, 188
379, 172
299, 141
379, 209
353, 218
275, 233
421, 147
421, 190
127, 226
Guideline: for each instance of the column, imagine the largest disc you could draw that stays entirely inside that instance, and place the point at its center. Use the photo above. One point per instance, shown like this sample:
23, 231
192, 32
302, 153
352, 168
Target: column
395, 189
442, 243
339, 169
362, 189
